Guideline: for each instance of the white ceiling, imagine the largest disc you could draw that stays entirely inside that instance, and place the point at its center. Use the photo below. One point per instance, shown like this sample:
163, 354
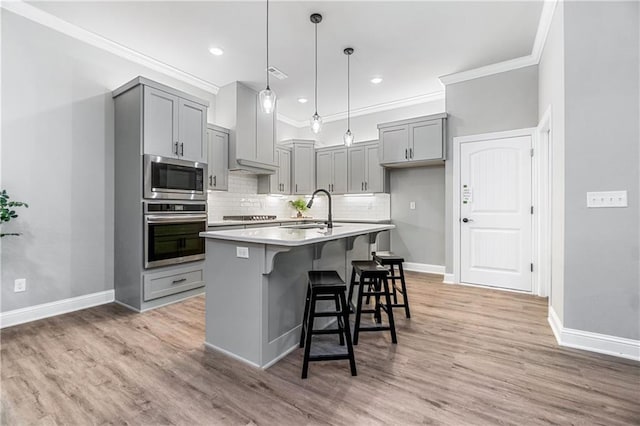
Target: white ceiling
409, 44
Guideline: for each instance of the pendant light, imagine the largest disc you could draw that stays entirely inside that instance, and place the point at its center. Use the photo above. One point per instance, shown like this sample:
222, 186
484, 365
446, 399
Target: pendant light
316, 120
267, 96
348, 136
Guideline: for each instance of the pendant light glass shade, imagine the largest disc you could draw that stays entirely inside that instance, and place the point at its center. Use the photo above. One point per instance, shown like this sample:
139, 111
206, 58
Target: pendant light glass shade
316, 123
267, 100
348, 136
316, 120
267, 97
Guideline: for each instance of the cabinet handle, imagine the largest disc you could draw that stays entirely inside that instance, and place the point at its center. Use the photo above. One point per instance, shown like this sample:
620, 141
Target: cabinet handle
215, 181
410, 152
182, 149
361, 186
366, 186
296, 187
181, 280
176, 151
210, 180
406, 156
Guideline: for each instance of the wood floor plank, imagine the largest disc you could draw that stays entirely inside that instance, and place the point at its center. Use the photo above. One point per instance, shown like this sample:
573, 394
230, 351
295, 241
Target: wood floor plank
467, 356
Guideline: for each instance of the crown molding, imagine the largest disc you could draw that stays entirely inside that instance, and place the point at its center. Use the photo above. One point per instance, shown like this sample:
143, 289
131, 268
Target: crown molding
385, 106
48, 20
546, 16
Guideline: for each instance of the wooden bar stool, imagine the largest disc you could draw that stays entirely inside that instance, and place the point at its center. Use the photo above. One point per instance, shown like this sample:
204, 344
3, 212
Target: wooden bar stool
374, 277
326, 285
393, 261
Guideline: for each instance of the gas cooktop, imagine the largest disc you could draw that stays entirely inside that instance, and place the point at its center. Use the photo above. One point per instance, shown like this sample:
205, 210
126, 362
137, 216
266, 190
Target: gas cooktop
250, 218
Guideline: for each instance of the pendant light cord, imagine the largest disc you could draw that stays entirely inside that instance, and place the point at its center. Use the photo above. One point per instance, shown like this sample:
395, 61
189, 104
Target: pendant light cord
316, 83
267, 44
349, 92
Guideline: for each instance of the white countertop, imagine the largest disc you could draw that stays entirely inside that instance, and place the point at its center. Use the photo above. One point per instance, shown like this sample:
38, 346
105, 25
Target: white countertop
284, 236
290, 220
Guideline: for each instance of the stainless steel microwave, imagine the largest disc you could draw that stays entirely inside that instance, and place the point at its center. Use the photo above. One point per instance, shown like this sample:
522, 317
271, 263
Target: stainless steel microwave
173, 179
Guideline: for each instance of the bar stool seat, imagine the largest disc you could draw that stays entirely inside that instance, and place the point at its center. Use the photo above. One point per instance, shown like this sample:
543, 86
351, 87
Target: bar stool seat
374, 276
392, 261
326, 285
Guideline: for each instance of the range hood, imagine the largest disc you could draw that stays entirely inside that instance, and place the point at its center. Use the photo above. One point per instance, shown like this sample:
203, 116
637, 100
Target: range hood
252, 133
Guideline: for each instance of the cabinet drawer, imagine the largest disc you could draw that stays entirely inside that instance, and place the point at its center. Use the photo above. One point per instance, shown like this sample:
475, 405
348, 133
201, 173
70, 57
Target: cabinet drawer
156, 286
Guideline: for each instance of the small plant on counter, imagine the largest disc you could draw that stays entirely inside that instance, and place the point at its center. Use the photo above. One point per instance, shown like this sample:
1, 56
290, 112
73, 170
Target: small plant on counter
7, 213
300, 205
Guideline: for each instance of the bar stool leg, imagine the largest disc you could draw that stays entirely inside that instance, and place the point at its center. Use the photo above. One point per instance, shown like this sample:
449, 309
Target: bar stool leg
305, 315
307, 343
356, 329
393, 283
352, 283
404, 292
389, 309
339, 319
347, 335
377, 287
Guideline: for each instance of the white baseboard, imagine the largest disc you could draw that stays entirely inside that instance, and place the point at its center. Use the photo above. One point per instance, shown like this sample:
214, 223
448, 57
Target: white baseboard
423, 267
59, 307
449, 279
593, 342
231, 354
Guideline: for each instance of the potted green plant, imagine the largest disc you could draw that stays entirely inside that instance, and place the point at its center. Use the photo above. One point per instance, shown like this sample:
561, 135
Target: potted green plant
300, 205
6, 211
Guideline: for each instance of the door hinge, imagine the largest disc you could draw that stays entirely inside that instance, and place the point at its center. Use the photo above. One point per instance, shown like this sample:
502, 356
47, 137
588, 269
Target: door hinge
531, 209
532, 267
531, 152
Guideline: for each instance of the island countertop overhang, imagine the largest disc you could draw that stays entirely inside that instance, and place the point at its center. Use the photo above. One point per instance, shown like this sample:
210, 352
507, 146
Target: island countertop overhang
292, 237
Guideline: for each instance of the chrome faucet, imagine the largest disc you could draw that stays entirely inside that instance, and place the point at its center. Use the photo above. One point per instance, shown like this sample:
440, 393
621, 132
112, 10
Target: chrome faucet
310, 203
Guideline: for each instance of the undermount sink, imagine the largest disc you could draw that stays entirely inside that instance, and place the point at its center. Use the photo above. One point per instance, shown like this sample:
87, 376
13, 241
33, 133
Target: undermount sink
309, 226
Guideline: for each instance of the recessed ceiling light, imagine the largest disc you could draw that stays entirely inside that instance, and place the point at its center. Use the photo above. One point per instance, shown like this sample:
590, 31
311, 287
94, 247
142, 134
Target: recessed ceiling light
216, 51
302, 100
376, 80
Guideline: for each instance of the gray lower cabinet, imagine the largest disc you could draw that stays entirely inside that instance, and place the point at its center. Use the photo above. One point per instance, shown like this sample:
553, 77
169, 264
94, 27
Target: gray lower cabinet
331, 170
280, 181
166, 283
414, 142
365, 173
218, 158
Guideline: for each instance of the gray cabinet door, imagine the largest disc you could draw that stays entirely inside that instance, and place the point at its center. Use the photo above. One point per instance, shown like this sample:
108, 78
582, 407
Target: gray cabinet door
265, 136
303, 169
192, 125
324, 176
395, 144
374, 172
218, 160
160, 123
339, 185
284, 172
356, 168
425, 140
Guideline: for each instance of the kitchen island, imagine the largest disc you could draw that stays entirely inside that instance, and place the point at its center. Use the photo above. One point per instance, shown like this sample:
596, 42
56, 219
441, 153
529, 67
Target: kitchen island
256, 282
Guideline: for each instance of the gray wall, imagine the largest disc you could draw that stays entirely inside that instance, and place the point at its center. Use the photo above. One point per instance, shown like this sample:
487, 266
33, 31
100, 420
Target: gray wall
498, 102
57, 154
551, 97
602, 282
419, 233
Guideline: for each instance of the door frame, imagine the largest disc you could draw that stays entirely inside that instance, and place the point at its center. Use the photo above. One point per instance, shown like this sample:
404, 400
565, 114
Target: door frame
542, 186
455, 219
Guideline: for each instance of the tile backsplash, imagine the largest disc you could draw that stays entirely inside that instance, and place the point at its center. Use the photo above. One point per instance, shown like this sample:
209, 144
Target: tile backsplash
243, 199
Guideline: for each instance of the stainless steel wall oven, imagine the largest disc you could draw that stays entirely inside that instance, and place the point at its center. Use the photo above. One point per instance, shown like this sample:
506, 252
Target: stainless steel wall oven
171, 233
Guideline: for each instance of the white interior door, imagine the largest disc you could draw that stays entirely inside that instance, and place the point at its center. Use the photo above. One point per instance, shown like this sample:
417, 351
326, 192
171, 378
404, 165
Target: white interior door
495, 213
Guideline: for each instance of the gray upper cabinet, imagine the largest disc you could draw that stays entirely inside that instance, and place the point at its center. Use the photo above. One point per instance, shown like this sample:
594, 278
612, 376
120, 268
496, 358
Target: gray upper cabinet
218, 158
331, 170
280, 181
252, 133
365, 172
415, 142
173, 126
304, 167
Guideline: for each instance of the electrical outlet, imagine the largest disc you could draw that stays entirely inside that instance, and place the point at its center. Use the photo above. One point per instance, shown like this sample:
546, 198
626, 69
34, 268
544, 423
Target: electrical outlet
20, 285
412, 205
242, 252
607, 199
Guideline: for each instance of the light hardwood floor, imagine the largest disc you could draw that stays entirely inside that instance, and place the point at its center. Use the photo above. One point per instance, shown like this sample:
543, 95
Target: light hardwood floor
467, 356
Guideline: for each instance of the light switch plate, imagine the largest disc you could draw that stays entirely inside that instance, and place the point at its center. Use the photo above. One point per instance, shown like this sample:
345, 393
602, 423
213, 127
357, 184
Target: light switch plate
242, 252
20, 285
607, 199
412, 205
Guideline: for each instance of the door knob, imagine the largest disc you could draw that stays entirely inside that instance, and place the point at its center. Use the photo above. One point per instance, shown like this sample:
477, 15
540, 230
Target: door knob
465, 220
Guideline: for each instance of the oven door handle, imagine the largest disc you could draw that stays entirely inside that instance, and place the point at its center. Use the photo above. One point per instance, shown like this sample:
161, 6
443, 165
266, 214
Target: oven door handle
182, 218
